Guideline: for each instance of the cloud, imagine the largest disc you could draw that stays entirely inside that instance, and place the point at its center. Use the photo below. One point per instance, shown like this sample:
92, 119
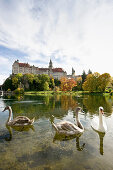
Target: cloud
3, 78
5, 67
73, 33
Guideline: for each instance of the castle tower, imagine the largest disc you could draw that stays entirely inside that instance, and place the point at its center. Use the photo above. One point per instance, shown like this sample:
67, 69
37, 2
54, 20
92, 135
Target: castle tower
73, 72
50, 65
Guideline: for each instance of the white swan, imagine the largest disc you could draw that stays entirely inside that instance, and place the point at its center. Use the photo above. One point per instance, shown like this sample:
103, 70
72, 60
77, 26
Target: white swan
98, 124
68, 128
19, 120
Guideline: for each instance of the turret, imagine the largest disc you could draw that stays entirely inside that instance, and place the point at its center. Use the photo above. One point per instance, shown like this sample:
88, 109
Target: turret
50, 65
73, 72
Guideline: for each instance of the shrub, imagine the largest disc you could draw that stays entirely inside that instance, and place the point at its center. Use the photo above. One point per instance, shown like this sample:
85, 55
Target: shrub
9, 90
19, 91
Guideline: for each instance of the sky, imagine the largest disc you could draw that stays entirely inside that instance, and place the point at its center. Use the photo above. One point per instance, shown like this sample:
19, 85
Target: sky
72, 33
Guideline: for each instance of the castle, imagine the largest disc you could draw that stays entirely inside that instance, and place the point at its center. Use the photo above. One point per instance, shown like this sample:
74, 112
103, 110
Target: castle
25, 68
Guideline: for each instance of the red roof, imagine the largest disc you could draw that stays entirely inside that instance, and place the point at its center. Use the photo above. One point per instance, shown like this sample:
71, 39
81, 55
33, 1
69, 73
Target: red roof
57, 70
24, 65
43, 69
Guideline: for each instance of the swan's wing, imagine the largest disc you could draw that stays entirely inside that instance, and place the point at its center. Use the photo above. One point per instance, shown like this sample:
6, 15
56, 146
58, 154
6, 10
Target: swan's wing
20, 120
95, 123
105, 126
68, 126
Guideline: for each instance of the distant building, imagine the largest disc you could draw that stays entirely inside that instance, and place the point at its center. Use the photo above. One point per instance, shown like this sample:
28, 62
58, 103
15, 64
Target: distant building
73, 75
25, 68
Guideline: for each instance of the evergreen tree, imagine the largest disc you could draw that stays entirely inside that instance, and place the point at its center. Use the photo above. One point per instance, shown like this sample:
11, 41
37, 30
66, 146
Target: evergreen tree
89, 71
84, 75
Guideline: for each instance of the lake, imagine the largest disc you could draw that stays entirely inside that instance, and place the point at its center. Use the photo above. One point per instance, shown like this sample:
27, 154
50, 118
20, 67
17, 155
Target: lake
39, 147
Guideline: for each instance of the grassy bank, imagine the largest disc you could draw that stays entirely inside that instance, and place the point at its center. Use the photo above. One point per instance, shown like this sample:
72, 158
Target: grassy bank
50, 93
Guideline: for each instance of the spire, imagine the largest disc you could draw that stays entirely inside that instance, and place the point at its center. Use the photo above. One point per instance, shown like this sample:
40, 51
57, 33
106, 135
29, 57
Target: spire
50, 64
73, 72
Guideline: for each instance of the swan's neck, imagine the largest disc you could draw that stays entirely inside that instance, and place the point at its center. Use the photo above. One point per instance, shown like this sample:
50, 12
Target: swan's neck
100, 121
10, 114
79, 124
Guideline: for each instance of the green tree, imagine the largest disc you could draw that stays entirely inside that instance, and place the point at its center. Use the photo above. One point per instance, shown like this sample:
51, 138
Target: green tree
89, 84
89, 71
84, 75
15, 82
96, 82
103, 80
52, 83
36, 82
42, 79
46, 86
57, 82
8, 84
19, 76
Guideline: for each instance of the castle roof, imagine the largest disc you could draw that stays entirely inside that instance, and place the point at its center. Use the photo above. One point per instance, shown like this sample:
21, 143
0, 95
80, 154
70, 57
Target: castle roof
24, 65
57, 70
42, 69
54, 69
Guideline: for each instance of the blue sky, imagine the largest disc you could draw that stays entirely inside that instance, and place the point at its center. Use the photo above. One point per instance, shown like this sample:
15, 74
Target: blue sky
73, 33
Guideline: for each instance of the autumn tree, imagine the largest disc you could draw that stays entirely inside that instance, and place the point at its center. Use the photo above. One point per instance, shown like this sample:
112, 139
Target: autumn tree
103, 80
89, 84
96, 82
67, 84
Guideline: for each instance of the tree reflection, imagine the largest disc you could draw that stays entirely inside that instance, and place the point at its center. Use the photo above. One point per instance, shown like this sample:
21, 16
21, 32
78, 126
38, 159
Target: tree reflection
39, 106
68, 102
92, 103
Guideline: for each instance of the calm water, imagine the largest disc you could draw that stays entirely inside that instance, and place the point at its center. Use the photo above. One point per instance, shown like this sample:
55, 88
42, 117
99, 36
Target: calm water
38, 147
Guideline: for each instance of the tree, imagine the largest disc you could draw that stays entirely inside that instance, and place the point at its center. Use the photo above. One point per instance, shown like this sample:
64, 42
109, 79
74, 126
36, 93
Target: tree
8, 84
30, 78
42, 79
19, 76
89, 71
57, 82
96, 82
89, 84
103, 79
15, 82
36, 82
67, 84
79, 83
52, 83
84, 75
46, 86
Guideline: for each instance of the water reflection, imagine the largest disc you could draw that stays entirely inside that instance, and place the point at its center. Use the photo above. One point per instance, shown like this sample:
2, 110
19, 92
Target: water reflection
92, 103
45, 104
8, 137
101, 138
66, 131
42, 149
59, 137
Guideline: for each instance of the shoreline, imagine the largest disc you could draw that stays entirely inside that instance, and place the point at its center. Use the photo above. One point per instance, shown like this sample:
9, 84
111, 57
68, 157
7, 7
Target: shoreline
77, 93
